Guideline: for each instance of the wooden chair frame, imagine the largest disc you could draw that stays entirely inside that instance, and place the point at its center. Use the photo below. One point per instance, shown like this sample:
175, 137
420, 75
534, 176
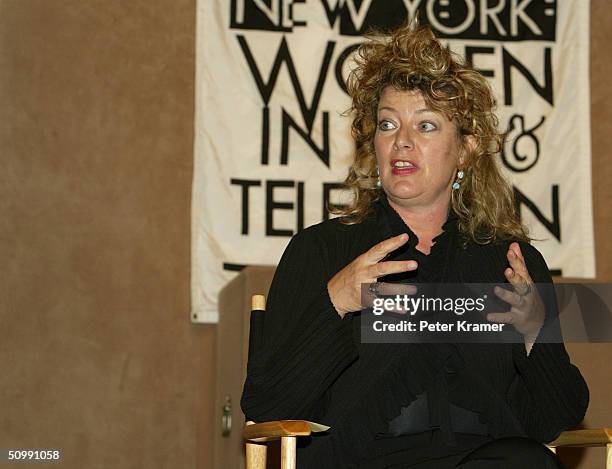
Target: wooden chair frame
257, 434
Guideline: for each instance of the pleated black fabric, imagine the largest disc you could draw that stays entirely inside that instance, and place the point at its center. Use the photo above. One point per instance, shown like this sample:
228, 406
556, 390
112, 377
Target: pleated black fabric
313, 366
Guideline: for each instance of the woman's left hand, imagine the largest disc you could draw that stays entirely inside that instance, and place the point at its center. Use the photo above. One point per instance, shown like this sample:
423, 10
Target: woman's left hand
527, 310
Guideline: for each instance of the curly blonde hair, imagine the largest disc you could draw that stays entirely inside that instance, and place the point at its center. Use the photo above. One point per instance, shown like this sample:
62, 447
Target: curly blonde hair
411, 58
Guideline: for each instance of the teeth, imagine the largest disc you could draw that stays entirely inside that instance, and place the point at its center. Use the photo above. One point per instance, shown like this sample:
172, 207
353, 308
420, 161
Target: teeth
403, 164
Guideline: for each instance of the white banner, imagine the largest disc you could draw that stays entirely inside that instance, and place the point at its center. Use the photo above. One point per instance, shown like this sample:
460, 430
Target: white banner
272, 145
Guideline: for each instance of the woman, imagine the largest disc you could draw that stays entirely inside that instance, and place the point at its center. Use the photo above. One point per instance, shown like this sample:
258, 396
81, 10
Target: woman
430, 206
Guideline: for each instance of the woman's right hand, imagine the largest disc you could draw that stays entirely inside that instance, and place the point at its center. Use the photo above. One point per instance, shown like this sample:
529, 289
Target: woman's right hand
345, 287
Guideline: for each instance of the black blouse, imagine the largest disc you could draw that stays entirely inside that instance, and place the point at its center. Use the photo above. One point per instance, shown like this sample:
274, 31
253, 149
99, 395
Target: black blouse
313, 365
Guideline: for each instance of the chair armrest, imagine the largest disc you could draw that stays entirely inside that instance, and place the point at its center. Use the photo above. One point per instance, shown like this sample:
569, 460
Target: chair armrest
586, 437
269, 431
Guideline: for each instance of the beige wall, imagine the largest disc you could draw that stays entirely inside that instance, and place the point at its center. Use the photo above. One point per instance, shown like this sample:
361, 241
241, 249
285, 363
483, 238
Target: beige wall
98, 355
96, 128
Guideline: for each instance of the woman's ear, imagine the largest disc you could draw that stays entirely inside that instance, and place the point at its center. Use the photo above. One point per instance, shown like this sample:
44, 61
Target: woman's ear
468, 146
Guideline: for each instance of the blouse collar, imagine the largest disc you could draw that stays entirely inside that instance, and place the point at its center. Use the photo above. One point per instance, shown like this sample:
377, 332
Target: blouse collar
396, 225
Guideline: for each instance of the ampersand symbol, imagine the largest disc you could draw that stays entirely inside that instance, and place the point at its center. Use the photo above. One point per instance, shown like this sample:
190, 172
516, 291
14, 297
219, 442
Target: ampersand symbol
527, 156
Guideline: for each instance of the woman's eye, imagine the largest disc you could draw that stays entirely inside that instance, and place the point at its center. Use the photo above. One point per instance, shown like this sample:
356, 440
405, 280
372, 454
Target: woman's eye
427, 126
386, 125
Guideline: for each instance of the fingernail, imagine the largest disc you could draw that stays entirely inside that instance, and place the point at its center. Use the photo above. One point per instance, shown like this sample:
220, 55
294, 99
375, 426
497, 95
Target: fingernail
404, 236
412, 265
512, 253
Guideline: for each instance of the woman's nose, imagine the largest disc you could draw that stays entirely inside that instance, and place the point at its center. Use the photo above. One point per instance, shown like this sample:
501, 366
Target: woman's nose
404, 139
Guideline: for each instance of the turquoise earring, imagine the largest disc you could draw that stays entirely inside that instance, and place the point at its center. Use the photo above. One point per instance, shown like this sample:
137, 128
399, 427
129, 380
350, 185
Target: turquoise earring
457, 183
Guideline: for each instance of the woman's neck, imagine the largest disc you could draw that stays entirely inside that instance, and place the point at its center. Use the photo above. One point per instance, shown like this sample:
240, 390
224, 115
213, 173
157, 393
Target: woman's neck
426, 224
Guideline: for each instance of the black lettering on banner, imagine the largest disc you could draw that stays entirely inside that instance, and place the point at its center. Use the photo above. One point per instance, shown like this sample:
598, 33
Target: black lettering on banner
245, 184
283, 56
471, 51
510, 62
527, 139
300, 206
288, 122
554, 225
355, 17
265, 135
498, 20
264, 15
272, 204
233, 267
345, 54
296, 23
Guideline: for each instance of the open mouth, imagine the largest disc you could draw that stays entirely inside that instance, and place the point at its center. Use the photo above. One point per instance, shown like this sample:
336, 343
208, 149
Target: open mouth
402, 167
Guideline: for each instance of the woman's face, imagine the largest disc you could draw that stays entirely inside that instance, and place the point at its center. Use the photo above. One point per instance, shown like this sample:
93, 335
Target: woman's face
416, 149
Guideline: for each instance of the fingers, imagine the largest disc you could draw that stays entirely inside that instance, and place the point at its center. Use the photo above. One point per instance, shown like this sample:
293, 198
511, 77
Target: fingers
383, 291
517, 274
517, 262
506, 318
381, 269
345, 287
510, 297
380, 250
369, 296
526, 313
393, 289
521, 285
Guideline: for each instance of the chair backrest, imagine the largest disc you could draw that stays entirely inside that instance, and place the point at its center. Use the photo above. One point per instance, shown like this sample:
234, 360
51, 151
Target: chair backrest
258, 308
257, 454
232, 351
